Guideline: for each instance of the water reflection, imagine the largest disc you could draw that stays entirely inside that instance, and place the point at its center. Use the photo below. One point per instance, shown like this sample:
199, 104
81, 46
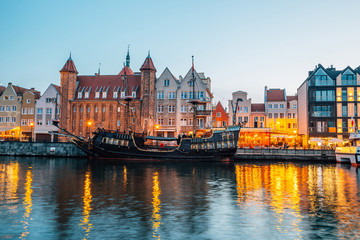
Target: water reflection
156, 217
85, 222
9, 178
27, 202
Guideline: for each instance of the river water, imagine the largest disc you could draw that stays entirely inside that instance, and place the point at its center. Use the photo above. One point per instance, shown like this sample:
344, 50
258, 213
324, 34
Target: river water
62, 198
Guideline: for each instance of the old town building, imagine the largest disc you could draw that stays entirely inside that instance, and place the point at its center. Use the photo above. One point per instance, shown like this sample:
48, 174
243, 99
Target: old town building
239, 109
47, 109
124, 102
220, 116
27, 120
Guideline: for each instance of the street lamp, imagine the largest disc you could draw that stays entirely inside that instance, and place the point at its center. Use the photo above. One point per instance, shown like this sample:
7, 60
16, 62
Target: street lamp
31, 129
89, 123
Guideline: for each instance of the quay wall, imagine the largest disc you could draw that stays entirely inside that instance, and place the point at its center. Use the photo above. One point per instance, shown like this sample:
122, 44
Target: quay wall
40, 149
286, 155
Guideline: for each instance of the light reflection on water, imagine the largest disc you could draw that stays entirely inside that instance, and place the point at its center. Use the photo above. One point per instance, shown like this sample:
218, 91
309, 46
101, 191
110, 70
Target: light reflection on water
52, 198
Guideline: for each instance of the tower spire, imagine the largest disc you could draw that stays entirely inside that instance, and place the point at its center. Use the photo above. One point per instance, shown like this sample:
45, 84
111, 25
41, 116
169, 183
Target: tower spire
128, 57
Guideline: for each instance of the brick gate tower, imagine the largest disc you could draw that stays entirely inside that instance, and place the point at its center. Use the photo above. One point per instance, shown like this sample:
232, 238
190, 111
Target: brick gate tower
148, 95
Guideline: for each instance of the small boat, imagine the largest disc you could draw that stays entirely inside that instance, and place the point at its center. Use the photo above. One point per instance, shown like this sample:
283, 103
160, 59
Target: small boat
108, 144
350, 154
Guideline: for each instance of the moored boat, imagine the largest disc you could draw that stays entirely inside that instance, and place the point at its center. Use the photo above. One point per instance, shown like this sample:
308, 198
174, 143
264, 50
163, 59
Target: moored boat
350, 154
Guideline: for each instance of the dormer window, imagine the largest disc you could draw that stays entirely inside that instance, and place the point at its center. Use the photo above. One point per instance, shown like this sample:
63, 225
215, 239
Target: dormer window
104, 94
122, 94
115, 95
79, 94
134, 94
166, 83
97, 94
191, 82
86, 94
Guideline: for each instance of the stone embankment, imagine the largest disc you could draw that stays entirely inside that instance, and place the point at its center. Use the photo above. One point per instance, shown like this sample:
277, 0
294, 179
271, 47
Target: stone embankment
286, 155
40, 149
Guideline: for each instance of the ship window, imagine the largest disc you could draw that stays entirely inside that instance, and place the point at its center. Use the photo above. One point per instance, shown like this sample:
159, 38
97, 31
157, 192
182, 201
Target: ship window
211, 146
104, 140
116, 142
192, 146
126, 143
231, 144
110, 141
205, 146
219, 145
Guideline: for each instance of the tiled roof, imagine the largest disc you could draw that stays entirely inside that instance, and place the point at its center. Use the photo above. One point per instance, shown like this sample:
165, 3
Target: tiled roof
2, 89
291, 98
36, 93
219, 108
127, 70
69, 66
109, 84
148, 64
275, 95
257, 107
19, 90
57, 88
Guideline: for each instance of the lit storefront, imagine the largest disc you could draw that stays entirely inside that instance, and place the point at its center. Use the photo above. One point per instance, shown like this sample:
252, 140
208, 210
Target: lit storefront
10, 133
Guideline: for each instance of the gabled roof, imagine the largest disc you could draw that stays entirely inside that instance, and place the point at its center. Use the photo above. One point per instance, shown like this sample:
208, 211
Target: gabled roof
275, 95
19, 90
2, 89
126, 70
148, 64
36, 93
69, 66
167, 71
56, 87
257, 107
291, 98
219, 108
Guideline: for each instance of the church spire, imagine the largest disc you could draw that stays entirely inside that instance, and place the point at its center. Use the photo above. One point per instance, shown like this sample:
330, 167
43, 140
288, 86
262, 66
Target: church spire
128, 57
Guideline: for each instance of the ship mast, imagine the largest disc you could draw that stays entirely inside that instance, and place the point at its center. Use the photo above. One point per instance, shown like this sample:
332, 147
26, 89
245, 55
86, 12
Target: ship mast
194, 101
128, 99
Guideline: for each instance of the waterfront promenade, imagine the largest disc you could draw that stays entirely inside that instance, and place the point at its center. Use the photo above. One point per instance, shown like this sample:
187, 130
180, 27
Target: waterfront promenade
285, 154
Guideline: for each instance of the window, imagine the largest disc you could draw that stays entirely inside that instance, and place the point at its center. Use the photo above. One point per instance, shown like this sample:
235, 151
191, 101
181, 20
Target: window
74, 109
321, 79
48, 110
11, 97
86, 94
240, 120
289, 115
171, 109
30, 111
115, 94
183, 108
246, 119
39, 122
122, 94
270, 115
218, 114
48, 100
190, 121
13, 108
324, 95
246, 109
160, 95
171, 95
24, 111
289, 125
294, 106
294, 115
79, 94
1, 119
48, 122
276, 115
256, 119
171, 122
23, 122
133, 94
270, 105
118, 109
200, 107
160, 108
240, 109
28, 101
261, 119
200, 95
191, 82
183, 95
2, 108
118, 123
7, 109
13, 119
81, 109
7, 119
88, 109
190, 95
80, 122
39, 110
96, 109
104, 94
166, 83
344, 111
97, 94
276, 106
281, 105
183, 122
281, 115
348, 79
161, 122
104, 109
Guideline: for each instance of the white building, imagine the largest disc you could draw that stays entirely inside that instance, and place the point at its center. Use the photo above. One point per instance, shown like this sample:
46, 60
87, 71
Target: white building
47, 109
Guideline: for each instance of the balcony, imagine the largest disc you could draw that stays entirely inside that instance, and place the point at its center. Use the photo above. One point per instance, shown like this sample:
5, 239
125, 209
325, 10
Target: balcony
203, 112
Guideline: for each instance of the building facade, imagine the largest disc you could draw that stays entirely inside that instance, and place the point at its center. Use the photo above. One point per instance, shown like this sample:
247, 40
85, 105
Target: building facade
242, 105
27, 120
220, 116
123, 102
47, 109
328, 102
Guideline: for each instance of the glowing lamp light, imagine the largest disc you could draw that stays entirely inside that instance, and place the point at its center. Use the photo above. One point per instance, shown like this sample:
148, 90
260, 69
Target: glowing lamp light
319, 144
295, 131
31, 124
89, 123
157, 126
